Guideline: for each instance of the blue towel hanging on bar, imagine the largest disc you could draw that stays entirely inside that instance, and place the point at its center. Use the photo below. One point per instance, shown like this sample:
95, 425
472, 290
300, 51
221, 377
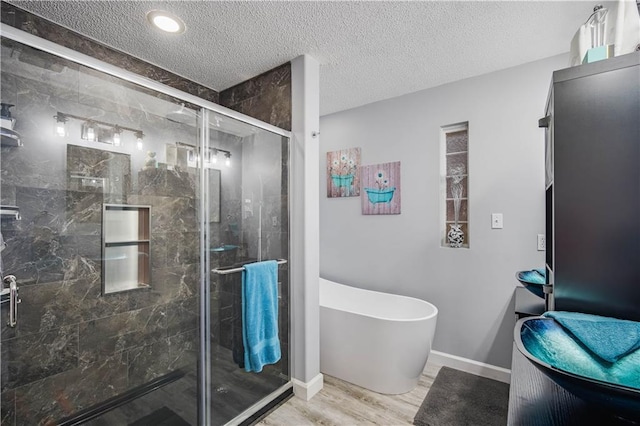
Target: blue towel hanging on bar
260, 315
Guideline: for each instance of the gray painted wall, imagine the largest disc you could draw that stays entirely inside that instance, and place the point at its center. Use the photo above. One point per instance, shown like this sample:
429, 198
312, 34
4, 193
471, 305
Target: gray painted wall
472, 288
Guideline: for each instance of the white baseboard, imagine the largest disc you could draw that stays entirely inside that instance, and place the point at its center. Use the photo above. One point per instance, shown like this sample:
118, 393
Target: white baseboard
470, 366
306, 390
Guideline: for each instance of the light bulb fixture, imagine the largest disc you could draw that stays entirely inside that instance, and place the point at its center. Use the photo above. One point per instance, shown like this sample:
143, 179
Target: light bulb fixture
166, 21
116, 136
209, 155
88, 131
61, 124
96, 130
139, 136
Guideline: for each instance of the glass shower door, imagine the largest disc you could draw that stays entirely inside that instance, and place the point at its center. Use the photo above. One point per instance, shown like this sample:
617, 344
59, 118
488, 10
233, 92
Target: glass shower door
247, 170
99, 195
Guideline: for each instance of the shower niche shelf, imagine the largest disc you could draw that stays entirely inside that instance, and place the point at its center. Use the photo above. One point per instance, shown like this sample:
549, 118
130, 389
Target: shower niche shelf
125, 248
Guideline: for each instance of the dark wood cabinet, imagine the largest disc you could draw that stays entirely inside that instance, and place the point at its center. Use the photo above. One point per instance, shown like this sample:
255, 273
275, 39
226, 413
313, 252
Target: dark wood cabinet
593, 188
592, 155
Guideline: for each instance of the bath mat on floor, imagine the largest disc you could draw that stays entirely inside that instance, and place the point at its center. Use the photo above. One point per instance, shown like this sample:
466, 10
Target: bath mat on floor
161, 417
457, 398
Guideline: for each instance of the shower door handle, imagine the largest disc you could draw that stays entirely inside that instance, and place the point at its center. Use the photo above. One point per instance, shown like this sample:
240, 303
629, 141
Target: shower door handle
13, 299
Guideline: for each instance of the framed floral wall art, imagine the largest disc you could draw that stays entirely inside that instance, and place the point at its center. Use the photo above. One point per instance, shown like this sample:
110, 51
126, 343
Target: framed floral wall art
381, 188
343, 177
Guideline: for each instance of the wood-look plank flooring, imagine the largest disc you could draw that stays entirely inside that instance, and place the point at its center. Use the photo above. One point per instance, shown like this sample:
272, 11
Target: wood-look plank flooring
344, 404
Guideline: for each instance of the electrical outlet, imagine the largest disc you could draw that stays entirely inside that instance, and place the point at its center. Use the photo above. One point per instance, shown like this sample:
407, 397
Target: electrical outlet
542, 242
496, 220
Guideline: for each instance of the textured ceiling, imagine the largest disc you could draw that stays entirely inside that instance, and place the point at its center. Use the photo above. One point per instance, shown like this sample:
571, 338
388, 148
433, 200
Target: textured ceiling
368, 51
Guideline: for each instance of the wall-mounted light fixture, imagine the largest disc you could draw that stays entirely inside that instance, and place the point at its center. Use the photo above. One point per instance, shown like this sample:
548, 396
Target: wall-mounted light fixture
96, 130
213, 156
139, 136
88, 131
61, 124
116, 136
210, 156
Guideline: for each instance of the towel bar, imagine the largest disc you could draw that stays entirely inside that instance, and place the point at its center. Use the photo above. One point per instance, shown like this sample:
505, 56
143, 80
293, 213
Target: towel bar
228, 270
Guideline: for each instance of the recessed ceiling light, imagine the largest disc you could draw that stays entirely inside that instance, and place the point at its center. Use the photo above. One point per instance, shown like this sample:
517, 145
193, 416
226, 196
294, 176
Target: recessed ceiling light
166, 21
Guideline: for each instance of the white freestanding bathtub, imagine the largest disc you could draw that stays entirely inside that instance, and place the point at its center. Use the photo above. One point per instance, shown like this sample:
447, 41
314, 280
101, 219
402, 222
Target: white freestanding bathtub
379, 341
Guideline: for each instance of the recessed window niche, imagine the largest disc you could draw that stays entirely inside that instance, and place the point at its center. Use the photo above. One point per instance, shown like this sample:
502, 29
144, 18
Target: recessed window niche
454, 185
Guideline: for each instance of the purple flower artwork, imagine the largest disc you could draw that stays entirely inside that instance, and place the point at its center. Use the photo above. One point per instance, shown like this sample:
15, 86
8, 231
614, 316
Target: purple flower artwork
381, 188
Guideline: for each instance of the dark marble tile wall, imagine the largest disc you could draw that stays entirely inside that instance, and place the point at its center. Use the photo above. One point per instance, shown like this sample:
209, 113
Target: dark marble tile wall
21, 19
73, 346
266, 97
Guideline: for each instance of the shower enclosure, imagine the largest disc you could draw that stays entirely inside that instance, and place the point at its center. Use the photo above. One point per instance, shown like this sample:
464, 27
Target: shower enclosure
128, 210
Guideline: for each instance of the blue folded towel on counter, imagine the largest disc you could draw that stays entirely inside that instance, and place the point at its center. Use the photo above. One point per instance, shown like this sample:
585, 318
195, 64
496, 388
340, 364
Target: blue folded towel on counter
608, 338
260, 315
552, 344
